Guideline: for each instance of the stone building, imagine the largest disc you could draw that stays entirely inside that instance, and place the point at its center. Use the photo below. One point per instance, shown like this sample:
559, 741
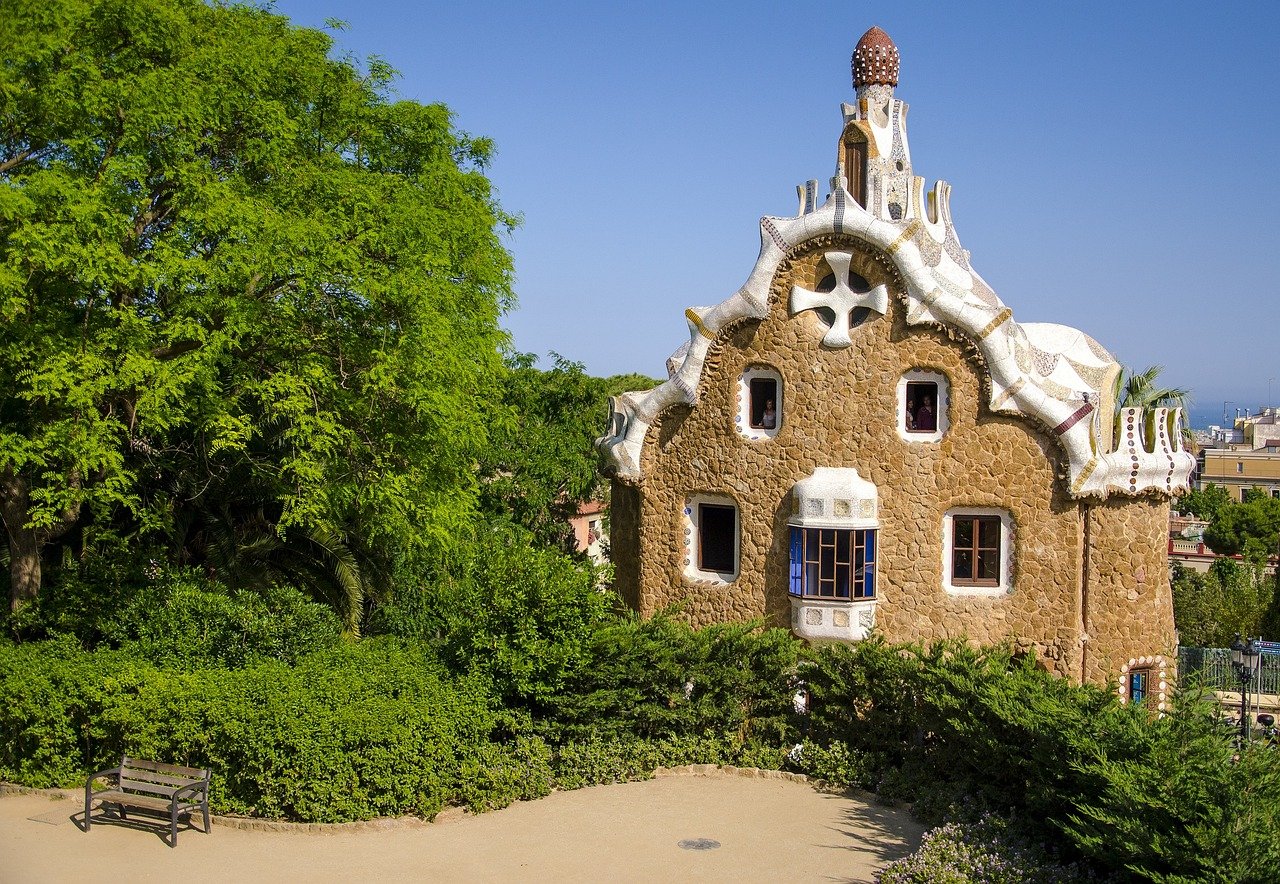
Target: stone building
862, 436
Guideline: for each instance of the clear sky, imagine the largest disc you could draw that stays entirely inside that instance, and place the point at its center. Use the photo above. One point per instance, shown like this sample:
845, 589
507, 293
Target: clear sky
1113, 164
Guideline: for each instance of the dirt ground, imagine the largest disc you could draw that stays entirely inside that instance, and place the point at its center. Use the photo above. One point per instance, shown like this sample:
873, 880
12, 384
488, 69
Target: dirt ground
766, 830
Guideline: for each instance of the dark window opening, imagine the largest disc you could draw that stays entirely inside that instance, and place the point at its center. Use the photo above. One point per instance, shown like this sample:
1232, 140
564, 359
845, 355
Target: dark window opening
921, 407
717, 536
833, 563
975, 550
856, 282
764, 403
857, 315
855, 167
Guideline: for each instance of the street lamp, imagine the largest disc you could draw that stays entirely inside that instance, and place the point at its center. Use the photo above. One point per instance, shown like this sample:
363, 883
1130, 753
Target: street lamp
1245, 657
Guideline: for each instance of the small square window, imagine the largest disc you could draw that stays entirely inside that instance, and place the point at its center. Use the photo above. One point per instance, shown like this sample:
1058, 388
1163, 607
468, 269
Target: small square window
711, 546
1239, 466
922, 406
1139, 685
975, 551
920, 411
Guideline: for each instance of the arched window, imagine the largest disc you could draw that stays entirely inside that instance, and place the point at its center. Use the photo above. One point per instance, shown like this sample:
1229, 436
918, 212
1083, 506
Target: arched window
855, 165
759, 403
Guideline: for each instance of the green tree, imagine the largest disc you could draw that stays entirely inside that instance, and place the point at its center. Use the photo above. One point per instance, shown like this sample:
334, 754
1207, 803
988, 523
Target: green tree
1143, 390
541, 463
1250, 528
222, 250
1204, 503
1210, 609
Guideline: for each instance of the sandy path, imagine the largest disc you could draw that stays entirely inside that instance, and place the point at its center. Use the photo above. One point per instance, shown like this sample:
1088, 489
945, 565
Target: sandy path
768, 830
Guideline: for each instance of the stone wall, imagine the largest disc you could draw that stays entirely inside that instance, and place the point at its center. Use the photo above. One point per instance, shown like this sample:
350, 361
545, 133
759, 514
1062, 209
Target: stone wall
1129, 604
840, 409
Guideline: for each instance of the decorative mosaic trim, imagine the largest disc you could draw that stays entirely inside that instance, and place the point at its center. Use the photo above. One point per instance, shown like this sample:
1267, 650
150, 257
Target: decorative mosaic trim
1051, 374
1159, 674
1081, 412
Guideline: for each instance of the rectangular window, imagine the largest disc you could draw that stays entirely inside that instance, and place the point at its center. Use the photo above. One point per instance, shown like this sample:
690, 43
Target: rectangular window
1138, 685
833, 563
855, 168
975, 550
1239, 466
921, 407
717, 537
764, 402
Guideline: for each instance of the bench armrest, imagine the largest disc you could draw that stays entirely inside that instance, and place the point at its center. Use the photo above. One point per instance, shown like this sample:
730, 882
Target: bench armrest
194, 788
111, 771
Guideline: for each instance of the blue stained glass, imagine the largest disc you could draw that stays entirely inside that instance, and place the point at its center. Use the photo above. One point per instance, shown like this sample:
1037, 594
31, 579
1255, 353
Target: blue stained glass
1137, 685
797, 561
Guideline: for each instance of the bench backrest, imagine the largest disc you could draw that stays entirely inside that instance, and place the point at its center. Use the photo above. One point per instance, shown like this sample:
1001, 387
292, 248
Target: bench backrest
158, 779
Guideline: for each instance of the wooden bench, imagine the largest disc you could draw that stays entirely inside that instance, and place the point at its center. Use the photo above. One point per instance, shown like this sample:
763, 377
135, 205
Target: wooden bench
147, 785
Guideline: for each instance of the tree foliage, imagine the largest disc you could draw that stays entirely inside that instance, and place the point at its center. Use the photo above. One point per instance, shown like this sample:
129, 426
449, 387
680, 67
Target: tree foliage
541, 462
1204, 503
1230, 599
1250, 528
1142, 389
224, 254
1134, 389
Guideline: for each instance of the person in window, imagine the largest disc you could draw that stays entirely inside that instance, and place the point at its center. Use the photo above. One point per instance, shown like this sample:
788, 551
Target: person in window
769, 419
925, 421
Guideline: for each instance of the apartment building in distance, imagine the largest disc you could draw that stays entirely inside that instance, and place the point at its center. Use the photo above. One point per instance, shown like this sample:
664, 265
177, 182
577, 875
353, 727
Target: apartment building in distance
1246, 456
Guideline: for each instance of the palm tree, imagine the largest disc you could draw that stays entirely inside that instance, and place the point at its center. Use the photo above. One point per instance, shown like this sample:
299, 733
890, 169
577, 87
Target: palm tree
1143, 390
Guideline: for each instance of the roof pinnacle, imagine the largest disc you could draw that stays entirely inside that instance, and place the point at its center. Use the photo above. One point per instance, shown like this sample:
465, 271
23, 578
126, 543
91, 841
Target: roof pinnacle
875, 60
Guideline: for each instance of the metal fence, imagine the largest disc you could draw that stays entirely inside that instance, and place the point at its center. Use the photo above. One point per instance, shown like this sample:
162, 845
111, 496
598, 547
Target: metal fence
1212, 667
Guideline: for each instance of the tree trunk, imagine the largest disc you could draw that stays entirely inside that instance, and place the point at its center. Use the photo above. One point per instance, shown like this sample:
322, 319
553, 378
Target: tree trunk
24, 542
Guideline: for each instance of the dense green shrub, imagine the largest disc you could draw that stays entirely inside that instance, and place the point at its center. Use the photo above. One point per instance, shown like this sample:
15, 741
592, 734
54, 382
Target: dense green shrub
95, 600
178, 618
661, 679
986, 851
193, 624
960, 732
349, 733
519, 615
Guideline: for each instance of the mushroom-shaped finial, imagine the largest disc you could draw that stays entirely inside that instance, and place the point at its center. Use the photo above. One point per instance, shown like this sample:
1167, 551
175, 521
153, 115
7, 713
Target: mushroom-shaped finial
875, 60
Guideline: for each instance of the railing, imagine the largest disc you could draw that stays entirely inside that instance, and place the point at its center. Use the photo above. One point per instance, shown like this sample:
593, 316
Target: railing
1212, 666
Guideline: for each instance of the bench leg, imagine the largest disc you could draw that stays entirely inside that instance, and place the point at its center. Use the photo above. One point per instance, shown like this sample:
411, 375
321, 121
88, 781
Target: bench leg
205, 808
123, 814
88, 805
173, 825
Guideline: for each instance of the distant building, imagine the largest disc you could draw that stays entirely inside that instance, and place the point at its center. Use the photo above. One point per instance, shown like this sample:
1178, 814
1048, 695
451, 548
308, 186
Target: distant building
1250, 432
588, 530
861, 436
1240, 469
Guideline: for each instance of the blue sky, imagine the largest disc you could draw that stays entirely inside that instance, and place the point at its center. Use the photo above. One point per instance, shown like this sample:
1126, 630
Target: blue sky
1112, 164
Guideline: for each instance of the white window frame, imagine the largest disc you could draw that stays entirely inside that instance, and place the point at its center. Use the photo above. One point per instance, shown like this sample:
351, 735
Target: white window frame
942, 408
690, 517
1007, 534
742, 420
